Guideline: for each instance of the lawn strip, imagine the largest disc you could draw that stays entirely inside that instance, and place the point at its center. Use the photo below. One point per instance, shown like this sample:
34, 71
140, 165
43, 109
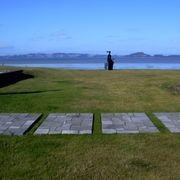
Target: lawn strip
37, 124
157, 123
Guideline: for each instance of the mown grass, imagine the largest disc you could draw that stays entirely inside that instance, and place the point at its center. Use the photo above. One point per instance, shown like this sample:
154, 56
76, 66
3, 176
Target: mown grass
97, 156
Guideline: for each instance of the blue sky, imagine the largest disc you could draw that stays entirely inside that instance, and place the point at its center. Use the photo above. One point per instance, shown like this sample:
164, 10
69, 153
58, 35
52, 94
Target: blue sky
89, 26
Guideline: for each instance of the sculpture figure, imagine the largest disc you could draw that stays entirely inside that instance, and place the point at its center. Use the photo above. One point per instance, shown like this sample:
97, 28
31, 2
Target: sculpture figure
110, 61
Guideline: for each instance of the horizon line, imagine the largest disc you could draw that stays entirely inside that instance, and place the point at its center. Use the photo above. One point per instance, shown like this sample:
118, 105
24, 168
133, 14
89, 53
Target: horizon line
92, 54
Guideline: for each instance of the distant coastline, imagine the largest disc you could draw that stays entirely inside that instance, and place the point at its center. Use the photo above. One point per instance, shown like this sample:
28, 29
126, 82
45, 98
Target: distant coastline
42, 58
82, 56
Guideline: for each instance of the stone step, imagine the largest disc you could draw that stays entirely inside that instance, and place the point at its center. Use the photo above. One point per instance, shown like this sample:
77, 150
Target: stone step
17, 123
170, 120
67, 123
125, 123
82, 123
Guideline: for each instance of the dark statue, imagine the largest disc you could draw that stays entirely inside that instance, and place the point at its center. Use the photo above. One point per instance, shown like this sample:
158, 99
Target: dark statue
110, 62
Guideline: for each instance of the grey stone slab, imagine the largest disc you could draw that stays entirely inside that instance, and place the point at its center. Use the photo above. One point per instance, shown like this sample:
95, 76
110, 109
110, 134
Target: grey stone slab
17, 123
67, 123
70, 132
76, 122
59, 129
107, 122
85, 132
127, 123
109, 131
85, 128
127, 132
66, 126
42, 131
77, 128
171, 120
18, 132
3, 128
54, 132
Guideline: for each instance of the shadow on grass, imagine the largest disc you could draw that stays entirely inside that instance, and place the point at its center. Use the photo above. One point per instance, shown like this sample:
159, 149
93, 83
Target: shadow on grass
37, 122
27, 92
13, 77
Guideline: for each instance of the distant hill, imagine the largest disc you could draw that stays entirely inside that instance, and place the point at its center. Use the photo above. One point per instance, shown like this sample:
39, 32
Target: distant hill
80, 56
138, 54
159, 55
44, 56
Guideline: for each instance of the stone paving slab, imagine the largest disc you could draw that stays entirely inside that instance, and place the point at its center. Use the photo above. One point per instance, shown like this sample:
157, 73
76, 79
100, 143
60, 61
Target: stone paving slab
16, 123
67, 123
170, 120
113, 123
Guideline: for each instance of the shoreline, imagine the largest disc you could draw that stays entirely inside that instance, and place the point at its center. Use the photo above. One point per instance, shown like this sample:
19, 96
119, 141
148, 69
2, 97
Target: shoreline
101, 66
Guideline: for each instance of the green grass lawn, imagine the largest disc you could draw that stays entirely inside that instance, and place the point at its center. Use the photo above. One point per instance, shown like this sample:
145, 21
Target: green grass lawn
97, 156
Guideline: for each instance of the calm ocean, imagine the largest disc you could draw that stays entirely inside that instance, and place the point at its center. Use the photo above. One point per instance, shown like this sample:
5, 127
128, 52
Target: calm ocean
101, 66
98, 64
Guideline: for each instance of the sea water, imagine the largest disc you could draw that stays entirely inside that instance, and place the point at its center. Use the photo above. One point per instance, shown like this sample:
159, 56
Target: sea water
101, 66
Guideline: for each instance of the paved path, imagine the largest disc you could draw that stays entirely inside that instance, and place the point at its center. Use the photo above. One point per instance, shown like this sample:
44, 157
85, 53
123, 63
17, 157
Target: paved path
170, 120
70, 123
81, 123
126, 123
16, 123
